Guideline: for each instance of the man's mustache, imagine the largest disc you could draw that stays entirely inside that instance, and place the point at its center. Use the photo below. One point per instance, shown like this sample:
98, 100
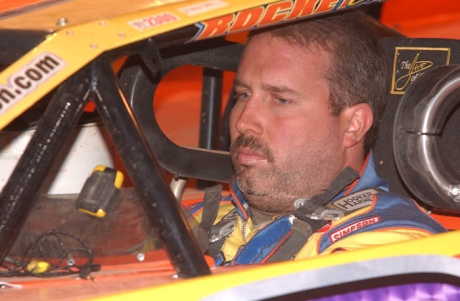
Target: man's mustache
253, 144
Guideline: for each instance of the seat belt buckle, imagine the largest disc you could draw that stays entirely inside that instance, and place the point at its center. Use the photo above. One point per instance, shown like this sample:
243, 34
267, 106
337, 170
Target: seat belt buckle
223, 231
322, 213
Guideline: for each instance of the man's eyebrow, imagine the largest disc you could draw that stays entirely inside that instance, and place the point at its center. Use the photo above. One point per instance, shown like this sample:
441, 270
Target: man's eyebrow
239, 83
280, 89
268, 87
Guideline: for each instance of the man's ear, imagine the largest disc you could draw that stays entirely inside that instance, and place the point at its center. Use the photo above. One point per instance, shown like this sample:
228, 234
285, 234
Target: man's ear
358, 120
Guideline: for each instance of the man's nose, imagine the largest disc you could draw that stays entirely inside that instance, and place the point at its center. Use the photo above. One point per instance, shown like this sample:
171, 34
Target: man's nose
249, 117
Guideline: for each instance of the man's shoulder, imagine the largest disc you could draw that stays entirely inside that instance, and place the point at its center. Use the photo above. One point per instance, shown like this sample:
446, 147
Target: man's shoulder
388, 212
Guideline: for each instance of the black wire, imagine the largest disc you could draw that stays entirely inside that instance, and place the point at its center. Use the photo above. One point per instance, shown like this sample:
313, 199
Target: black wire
37, 251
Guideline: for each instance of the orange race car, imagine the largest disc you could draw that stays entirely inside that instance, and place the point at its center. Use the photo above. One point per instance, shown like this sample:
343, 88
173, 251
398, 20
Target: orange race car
95, 91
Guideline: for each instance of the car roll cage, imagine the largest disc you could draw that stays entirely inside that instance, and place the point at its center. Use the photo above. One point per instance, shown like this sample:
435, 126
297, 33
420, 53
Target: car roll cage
135, 133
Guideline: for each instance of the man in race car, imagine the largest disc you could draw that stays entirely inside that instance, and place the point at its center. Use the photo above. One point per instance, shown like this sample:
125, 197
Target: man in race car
310, 96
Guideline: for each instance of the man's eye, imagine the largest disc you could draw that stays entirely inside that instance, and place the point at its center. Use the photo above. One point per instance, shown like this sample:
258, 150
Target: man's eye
243, 96
281, 101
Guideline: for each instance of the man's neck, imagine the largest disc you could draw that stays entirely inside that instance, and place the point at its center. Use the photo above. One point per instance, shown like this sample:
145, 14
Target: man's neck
261, 218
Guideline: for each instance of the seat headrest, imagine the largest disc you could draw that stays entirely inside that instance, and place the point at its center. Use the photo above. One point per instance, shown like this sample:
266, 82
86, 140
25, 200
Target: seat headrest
410, 60
419, 122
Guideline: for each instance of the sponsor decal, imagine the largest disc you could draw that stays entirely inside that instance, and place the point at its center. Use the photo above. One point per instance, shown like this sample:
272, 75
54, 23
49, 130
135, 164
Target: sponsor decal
29, 78
411, 62
334, 236
355, 200
269, 14
202, 7
153, 21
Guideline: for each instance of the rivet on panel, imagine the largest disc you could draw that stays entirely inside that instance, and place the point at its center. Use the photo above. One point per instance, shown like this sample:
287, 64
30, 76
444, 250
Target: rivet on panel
62, 22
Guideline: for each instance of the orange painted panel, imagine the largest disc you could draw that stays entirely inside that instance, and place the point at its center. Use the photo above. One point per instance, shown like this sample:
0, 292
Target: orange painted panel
400, 11
448, 221
6, 5
423, 18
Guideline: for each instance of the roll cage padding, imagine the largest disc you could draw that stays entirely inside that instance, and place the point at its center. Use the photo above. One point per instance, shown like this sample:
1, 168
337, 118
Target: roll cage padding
419, 121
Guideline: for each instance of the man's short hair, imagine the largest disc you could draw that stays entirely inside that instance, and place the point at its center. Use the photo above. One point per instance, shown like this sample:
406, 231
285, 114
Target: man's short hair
359, 71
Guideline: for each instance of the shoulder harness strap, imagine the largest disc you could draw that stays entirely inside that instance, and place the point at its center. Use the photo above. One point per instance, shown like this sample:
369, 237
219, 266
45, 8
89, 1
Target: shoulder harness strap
312, 215
211, 200
216, 234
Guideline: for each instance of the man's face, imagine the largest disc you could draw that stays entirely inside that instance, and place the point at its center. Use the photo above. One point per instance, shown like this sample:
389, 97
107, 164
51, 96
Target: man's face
285, 142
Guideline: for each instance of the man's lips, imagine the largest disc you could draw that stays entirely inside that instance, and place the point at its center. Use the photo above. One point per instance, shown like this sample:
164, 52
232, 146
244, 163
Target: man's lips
246, 156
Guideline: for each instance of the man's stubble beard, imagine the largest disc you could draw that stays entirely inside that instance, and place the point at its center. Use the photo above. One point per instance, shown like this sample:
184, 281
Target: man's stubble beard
274, 189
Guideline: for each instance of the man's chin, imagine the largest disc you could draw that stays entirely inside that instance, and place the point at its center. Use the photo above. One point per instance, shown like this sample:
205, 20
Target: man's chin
250, 188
